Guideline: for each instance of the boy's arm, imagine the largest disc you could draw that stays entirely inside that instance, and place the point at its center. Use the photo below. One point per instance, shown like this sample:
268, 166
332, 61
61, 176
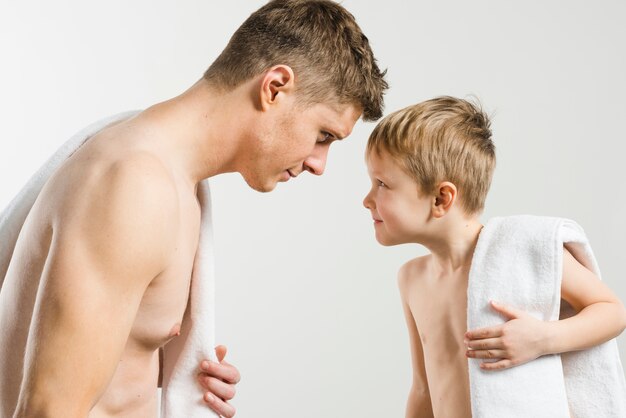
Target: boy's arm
418, 403
600, 317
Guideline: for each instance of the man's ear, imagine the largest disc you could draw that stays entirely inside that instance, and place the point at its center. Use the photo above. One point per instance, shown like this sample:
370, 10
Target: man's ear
445, 196
277, 82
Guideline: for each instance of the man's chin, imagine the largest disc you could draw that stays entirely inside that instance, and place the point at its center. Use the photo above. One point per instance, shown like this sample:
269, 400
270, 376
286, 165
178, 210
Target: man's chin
263, 187
266, 189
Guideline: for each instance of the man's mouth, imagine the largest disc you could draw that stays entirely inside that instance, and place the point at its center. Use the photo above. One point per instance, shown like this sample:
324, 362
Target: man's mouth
291, 174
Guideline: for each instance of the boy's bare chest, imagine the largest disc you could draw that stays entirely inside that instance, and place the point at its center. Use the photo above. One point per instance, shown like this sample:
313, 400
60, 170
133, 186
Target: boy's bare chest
439, 308
440, 311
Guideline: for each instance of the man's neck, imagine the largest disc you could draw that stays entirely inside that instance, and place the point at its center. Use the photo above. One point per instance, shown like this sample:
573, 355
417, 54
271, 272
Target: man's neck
200, 132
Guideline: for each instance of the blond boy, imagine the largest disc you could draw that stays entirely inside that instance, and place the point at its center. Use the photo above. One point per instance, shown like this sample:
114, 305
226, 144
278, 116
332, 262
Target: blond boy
431, 165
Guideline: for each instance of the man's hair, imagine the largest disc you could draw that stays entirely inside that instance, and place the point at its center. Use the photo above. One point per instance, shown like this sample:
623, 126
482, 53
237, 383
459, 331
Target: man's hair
443, 139
322, 43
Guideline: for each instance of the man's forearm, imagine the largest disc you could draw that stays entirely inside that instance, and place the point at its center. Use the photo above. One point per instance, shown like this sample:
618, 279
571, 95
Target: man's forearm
38, 406
418, 405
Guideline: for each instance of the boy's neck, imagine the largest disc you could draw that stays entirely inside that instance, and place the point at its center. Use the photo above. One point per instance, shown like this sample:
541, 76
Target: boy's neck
453, 246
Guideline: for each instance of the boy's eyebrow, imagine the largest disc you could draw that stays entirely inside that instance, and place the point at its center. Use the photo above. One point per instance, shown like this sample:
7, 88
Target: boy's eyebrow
377, 173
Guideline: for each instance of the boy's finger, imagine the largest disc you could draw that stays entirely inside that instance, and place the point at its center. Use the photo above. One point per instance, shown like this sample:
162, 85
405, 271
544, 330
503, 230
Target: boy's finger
490, 332
491, 354
222, 408
217, 387
224, 371
484, 344
508, 311
497, 365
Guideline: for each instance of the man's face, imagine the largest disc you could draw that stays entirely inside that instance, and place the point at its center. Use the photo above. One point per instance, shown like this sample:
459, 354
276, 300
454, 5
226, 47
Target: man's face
297, 139
398, 210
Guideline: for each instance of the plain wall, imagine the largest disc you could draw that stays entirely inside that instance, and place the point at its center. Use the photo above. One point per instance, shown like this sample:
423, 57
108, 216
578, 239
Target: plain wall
307, 300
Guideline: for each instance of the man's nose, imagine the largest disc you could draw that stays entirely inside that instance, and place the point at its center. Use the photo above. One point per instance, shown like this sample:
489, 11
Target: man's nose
316, 162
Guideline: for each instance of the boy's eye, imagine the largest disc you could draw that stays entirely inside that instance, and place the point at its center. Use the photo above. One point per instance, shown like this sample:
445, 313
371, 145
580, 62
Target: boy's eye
381, 184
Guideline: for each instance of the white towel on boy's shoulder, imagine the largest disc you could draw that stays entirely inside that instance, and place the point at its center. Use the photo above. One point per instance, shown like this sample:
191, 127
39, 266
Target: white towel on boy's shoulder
518, 261
181, 396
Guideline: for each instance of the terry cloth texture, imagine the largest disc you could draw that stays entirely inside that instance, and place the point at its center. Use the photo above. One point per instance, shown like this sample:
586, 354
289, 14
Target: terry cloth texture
518, 261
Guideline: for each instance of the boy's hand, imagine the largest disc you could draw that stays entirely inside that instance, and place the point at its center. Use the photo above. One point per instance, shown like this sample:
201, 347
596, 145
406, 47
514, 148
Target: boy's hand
519, 340
219, 379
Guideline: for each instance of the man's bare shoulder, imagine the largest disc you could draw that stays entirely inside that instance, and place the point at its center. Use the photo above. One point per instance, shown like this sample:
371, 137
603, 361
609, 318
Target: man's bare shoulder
129, 202
140, 174
412, 271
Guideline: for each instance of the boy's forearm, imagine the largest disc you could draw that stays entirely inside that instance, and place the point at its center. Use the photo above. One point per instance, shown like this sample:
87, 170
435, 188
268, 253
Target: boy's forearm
592, 326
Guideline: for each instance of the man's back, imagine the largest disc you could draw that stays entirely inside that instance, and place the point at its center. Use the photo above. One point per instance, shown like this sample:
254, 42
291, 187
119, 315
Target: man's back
101, 269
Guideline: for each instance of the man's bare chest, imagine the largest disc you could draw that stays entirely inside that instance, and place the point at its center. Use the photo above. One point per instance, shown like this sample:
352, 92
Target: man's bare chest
161, 311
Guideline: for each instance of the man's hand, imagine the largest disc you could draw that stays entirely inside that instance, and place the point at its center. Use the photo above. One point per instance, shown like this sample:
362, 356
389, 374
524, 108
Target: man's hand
219, 380
519, 340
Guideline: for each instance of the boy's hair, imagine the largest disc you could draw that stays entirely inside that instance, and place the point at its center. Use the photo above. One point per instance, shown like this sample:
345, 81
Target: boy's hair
319, 40
443, 139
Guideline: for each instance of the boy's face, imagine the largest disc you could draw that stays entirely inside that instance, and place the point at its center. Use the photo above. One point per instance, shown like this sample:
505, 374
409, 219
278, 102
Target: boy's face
399, 211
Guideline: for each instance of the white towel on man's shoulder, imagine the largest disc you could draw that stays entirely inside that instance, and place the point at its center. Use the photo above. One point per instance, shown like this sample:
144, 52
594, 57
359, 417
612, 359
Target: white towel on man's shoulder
181, 396
518, 261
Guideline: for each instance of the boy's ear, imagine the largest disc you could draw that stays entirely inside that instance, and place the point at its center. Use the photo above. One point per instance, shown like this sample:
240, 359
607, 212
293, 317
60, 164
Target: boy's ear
277, 82
445, 196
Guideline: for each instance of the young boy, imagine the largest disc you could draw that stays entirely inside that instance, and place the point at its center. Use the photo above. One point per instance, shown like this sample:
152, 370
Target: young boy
431, 165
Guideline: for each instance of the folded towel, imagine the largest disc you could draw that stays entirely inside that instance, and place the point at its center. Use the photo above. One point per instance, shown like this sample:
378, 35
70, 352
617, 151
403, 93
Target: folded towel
518, 261
182, 355
181, 395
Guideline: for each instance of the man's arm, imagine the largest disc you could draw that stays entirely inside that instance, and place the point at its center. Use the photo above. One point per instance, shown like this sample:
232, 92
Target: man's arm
600, 317
106, 249
418, 404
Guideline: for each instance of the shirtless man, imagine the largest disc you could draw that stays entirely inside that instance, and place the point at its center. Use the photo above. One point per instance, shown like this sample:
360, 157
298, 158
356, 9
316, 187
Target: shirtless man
100, 275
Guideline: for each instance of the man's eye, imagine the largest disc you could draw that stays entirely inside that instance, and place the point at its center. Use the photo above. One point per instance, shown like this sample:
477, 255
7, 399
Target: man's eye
325, 138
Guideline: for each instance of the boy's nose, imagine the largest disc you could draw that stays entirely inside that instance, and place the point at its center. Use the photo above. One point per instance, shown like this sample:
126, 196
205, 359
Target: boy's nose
316, 162
367, 201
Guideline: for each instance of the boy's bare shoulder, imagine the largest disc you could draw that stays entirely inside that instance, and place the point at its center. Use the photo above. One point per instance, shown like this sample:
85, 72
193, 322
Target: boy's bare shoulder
412, 271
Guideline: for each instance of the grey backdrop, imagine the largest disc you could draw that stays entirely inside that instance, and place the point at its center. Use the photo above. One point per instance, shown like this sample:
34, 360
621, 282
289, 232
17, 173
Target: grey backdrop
307, 300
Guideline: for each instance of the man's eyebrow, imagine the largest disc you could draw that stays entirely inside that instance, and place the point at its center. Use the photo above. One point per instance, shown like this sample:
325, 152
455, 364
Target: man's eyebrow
335, 134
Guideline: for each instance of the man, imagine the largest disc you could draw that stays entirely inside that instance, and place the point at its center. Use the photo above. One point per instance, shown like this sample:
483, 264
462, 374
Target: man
105, 272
